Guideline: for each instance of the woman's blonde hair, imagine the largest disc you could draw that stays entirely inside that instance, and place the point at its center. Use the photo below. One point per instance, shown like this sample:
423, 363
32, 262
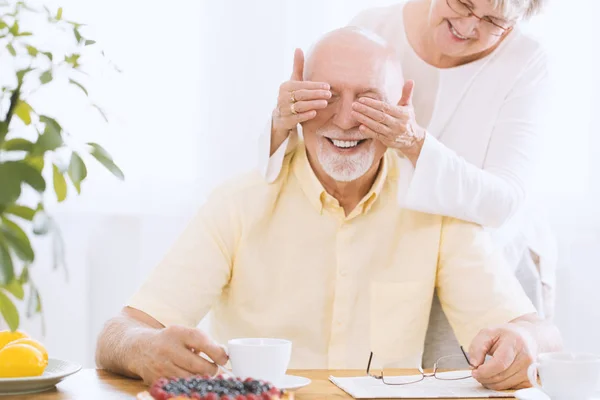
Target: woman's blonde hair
519, 9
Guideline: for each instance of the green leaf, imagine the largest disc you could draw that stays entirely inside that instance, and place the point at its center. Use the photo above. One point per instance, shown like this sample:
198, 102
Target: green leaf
77, 171
7, 272
34, 303
17, 145
24, 34
15, 287
59, 13
79, 85
101, 111
51, 139
21, 211
32, 50
60, 185
21, 74
47, 54
21, 171
90, 42
77, 35
51, 124
46, 77
36, 162
3, 24
11, 49
3, 130
15, 28
9, 312
105, 159
23, 110
11, 185
17, 239
73, 59
24, 278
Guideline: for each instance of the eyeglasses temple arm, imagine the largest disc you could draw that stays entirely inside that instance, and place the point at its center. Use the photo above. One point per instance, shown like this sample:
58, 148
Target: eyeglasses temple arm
466, 357
369, 364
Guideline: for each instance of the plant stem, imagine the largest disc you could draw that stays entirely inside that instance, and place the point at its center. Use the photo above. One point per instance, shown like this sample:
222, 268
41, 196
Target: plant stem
14, 99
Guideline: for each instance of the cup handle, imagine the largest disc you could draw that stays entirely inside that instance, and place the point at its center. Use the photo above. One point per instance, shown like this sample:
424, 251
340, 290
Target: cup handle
532, 374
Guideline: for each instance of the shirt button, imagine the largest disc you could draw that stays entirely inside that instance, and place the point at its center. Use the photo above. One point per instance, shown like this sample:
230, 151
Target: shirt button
343, 273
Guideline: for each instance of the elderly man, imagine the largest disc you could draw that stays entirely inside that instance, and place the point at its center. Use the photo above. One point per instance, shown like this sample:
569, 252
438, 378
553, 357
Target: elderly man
325, 258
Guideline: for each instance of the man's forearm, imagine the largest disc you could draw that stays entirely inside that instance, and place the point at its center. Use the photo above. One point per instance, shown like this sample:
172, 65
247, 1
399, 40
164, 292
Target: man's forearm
119, 344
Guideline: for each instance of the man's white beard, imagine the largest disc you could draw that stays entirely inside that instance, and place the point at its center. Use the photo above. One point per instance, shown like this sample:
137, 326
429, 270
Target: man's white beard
345, 168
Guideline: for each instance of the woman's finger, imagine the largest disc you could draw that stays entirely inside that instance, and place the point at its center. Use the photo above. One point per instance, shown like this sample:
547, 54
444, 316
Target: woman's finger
394, 111
374, 114
373, 125
368, 132
407, 93
299, 85
310, 94
303, 106
303, 117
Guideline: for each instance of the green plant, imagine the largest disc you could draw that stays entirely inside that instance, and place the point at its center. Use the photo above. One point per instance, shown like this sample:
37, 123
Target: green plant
36, 153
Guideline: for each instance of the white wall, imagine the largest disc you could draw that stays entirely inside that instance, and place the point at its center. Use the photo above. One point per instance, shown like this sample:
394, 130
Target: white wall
199, 82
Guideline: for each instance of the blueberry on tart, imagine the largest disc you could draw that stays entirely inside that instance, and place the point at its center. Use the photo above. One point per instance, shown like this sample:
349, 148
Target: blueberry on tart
207, 388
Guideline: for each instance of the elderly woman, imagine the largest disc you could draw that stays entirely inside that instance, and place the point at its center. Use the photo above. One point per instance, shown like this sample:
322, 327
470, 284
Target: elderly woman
469, 122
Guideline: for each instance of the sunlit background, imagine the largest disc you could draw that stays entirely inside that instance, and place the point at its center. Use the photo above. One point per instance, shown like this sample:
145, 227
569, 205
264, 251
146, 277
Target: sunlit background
199, 80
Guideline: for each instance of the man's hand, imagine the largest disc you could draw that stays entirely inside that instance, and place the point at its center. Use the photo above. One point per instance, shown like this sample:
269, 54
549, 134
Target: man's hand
298, 102
512, 348
175, 352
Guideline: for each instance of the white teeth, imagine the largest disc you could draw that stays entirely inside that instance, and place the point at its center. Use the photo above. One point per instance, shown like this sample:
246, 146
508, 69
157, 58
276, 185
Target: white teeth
455, 33
344, 144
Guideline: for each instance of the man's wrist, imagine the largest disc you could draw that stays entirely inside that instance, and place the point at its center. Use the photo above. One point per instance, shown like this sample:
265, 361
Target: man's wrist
138, 342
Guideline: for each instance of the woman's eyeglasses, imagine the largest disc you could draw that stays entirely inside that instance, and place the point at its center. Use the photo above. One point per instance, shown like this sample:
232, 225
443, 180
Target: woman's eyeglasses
491, 25
443, 369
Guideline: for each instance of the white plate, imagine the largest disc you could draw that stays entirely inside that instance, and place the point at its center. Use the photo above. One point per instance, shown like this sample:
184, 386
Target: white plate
56, 371
536, 394
292, 382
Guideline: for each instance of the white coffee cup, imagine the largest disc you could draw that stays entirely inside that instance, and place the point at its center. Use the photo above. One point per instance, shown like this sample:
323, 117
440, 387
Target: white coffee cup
260, 358
566, 376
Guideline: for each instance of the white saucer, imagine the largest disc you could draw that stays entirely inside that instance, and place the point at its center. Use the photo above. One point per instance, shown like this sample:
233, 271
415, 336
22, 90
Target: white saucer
536, 394
292, 382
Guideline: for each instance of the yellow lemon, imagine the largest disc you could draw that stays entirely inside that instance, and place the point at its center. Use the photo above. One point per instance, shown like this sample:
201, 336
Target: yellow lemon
7, 336
32, 343
21, 360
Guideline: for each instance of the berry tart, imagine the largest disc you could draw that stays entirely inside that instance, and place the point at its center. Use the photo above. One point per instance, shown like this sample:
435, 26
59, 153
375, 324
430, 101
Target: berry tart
207, 388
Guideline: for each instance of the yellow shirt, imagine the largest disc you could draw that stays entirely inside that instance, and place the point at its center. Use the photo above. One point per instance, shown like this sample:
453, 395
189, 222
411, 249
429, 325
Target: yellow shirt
282, 260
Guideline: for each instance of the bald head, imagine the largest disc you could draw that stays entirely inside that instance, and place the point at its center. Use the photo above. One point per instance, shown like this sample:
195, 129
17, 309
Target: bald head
357, 50
356, 64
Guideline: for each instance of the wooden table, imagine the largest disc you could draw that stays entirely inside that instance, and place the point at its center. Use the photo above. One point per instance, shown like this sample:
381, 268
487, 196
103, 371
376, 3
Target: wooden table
91, 384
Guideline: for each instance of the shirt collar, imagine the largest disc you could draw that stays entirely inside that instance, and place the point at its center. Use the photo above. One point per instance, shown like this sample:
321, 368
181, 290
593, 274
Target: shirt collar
314, 190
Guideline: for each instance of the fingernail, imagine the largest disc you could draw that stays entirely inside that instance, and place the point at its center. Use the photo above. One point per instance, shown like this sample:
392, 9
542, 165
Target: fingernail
326, 86
362, 100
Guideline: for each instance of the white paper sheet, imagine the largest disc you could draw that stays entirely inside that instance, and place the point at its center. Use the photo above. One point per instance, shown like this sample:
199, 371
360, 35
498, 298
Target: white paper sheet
367, 387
